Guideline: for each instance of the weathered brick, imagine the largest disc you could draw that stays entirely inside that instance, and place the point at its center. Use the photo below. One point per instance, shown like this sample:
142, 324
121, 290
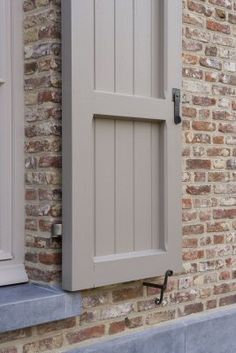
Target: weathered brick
217, 26
50, 259
193, 229
217, 227
11, 336
85, 334
211, 51
193, 308
127, 293
44, 344
232, 18
43, 275
192, 46
197, 34
193, 73
189, 112
231, 299
56, 326
224, 3
198, 164
116, 327
160, 317
198, 190
204, 101
211, 63
224, 213
203, 126
220, 13
193, 255
133, 322
199, 8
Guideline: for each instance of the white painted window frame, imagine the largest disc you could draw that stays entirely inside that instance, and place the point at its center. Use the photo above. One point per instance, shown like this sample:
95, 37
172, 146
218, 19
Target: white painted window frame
11, 143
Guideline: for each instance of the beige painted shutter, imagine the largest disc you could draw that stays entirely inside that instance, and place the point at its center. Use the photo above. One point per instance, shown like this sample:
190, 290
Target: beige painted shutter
122, 149
12, 268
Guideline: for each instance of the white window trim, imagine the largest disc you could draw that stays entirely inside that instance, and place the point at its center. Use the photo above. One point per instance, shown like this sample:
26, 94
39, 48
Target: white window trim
11, 143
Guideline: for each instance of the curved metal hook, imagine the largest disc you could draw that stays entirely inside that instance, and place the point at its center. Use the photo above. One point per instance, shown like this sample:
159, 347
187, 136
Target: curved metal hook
162, 287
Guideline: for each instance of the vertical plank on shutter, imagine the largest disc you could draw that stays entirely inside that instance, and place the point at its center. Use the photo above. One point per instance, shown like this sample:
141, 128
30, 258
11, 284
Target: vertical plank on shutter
155, 193
124, 186
157, 59
104, 45
142, 47
104, 186
124, 46
142, 180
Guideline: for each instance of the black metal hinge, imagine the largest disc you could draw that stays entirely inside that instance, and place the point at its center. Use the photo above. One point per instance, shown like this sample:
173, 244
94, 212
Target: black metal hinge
176, 99
162, 287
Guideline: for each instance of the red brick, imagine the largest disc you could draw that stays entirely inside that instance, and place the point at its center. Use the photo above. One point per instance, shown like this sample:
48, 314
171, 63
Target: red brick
193, 255
187, 203
192, 45
189, 216
193, 308
192, 73
199, 8
224, 213
133, 322
190, 243
193, 229
211, 51
50, 259
56, 326
189, 112
211, 63
224, 276
218, 140
217, 227
161, 316
228, 300
190, 59
116, 327
224, 3
211, 304
217, 26
46, 344
219, 239
127, 293
198, 190
85, 334
198, 164
204, 101
218, 177
203, 126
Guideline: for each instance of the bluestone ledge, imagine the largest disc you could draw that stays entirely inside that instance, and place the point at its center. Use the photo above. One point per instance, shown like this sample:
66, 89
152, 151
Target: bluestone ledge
30, 304
209, 332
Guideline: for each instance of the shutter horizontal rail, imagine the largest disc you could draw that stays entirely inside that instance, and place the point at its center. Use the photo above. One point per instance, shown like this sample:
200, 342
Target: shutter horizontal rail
128, 106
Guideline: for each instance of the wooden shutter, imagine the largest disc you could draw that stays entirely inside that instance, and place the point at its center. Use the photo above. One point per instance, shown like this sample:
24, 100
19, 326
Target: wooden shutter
11, 143
122, 150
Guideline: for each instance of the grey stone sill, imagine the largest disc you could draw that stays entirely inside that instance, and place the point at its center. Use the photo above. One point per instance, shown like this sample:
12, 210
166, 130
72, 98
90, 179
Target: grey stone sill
29, 304
210, 332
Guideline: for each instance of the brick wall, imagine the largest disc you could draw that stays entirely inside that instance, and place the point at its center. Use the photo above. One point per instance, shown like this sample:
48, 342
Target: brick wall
209, 181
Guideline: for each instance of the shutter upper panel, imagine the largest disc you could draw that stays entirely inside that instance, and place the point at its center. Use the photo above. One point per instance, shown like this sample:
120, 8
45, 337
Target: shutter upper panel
122, 149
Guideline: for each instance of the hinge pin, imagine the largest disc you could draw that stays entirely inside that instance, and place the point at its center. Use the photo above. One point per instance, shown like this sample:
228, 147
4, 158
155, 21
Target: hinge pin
56, 230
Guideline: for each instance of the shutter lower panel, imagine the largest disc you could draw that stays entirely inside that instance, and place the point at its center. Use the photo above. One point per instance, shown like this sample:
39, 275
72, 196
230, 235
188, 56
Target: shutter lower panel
121, 148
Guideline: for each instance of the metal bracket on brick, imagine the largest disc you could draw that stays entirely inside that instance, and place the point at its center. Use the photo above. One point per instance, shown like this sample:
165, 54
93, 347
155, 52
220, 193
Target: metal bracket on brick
162, 287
